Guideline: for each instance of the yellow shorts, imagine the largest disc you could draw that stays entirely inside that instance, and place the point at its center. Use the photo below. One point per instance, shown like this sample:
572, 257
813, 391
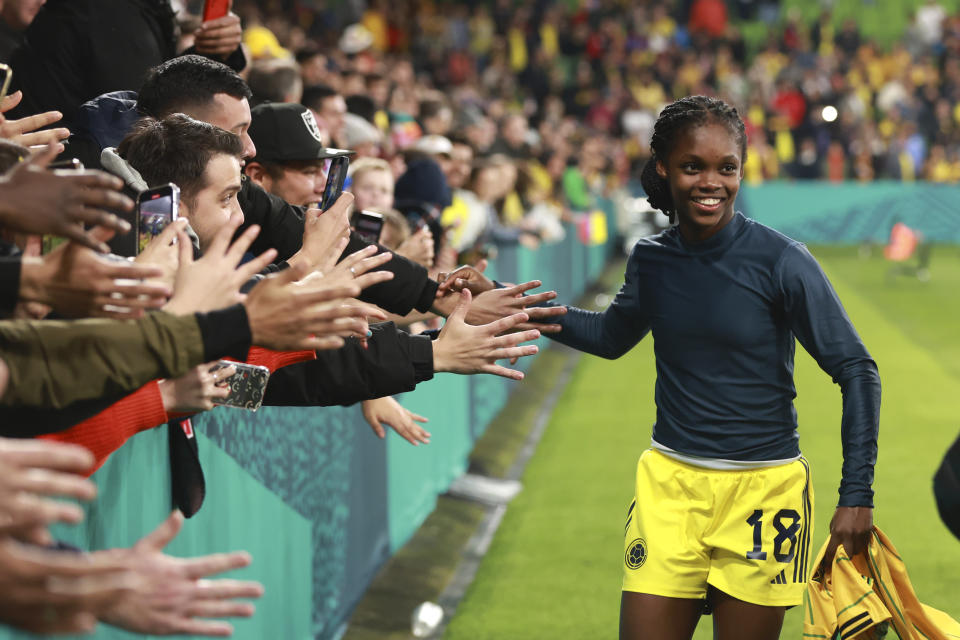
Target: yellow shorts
747, 532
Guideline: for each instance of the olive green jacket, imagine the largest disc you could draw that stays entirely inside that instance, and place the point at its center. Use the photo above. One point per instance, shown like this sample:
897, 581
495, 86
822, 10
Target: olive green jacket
54, 363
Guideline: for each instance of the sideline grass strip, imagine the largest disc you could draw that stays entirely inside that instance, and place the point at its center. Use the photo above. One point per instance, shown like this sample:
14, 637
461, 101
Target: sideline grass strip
553, 570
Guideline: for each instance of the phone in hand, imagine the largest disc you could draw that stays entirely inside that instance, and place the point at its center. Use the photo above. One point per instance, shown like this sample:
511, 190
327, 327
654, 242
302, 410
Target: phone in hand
71, 164
213, 9
247, 385
6, 73
49, 242
336, 175
369, 224
156, 208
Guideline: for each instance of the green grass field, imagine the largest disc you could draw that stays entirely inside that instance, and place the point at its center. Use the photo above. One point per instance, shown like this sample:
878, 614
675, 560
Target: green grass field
553, 570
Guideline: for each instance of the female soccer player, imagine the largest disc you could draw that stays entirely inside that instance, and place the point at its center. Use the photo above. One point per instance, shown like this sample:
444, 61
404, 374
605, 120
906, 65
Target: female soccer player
723, 509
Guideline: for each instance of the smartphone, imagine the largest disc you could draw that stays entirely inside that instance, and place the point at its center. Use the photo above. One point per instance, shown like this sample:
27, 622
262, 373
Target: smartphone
369, 224
156, 208
213, 9
336, 175
71, 165
6, 73
247, 385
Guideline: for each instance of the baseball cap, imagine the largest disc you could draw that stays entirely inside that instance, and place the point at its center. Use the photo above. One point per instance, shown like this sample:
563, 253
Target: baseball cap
434, 145
284, 132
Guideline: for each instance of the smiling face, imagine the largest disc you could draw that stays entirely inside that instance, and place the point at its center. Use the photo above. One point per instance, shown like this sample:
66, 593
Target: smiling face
703, 170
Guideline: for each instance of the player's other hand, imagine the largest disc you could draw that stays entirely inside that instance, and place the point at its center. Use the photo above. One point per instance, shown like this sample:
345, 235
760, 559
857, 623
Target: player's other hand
851, 527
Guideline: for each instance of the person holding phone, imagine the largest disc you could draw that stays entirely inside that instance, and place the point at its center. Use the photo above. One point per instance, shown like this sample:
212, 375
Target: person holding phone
291, 161
74, 51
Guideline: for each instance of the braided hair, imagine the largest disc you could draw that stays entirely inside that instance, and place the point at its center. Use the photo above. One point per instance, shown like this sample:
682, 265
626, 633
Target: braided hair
674, 119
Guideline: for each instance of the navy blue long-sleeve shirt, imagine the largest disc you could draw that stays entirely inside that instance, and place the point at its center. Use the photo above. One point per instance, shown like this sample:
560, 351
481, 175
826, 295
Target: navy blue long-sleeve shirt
724, 314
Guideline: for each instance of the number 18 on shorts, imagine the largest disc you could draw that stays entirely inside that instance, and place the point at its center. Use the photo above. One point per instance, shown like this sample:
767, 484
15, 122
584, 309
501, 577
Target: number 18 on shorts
745, 532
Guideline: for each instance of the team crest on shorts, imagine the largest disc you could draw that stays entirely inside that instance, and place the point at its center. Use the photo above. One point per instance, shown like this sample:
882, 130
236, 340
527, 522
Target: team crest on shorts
636, 553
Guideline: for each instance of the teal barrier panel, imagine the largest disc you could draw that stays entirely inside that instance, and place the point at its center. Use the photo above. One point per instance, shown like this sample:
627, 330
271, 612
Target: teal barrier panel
239, 513
317, 500
853, 213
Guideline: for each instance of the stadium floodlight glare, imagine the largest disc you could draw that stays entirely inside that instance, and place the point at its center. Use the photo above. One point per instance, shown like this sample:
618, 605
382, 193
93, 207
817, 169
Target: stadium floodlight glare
829, 113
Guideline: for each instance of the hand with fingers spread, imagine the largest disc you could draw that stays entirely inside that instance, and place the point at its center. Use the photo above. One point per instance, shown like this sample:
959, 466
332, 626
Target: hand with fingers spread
31, 471
418, 247
29, 131
387, 411
34, 200
323, 232
289, 311
214, 281
77, 282
58, 591
163, 252
196, 390
463, 348
174, 594
219, 37
358, 268
495, 303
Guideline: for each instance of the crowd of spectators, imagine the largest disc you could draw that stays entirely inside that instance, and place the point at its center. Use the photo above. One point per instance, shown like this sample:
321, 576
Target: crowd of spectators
535, 81
470, 126
105, 333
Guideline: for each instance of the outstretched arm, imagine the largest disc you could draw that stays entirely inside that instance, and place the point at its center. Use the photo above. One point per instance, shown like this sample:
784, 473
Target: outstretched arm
608, 334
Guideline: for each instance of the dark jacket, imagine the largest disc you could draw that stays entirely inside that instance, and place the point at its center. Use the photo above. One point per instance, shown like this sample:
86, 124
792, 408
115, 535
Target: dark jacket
75, 50
393, 362
55, 363
281, 228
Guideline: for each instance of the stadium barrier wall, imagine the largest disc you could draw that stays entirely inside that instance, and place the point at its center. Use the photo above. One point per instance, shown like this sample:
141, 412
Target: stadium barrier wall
851, 213
311, 493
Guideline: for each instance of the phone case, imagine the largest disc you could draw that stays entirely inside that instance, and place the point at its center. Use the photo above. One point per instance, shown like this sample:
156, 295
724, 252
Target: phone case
213, 9
336, 176
247, 385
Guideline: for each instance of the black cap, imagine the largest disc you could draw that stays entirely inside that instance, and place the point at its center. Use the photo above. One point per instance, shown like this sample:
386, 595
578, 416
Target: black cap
284, 132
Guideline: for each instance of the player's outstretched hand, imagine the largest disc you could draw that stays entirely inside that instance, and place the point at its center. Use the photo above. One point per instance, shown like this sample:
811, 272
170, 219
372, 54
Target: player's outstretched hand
35, 200
174, 595
214, 281
463, 348
494, 304
77, 282
851, 527
387, 411
31, 472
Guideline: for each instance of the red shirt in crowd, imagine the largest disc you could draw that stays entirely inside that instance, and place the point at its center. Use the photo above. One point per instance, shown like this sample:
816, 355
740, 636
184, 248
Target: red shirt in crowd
709, 16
